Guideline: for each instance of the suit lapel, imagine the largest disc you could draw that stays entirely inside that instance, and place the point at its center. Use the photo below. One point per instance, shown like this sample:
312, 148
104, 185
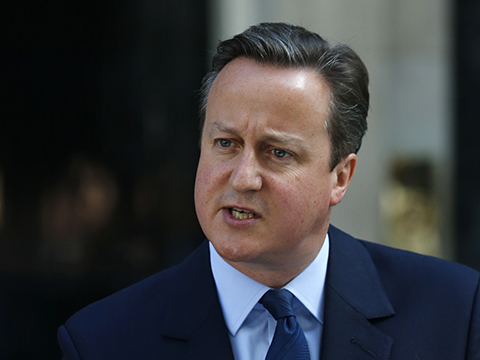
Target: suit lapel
194, 317
354, 298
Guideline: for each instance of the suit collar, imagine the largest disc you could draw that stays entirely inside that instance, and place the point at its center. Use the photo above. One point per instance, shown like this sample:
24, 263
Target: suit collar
352, 274
194, 316
354, 296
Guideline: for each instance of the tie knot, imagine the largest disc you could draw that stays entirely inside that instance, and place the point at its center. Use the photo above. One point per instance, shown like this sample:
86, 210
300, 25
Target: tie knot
278, 302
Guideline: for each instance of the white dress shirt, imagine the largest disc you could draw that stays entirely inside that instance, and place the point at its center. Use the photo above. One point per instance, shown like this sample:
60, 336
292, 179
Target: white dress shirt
250, 325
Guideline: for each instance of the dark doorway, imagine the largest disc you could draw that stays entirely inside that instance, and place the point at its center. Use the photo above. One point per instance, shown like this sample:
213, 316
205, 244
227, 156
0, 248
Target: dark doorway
98, 152
467, 151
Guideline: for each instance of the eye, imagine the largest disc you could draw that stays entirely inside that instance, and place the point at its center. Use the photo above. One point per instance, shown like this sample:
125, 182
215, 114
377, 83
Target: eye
281, 153
224, 143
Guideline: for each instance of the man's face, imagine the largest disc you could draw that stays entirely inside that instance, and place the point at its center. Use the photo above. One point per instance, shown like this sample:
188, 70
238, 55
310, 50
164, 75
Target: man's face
264, 188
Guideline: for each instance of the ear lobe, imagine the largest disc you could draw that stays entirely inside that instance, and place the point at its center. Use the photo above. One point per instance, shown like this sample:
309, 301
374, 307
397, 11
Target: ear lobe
343, 172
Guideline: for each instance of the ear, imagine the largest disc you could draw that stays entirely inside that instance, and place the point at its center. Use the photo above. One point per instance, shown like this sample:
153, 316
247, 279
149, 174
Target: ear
343, 173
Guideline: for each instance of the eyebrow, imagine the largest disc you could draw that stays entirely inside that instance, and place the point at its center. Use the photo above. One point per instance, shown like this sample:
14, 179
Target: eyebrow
283, 139
216, 126
273, 135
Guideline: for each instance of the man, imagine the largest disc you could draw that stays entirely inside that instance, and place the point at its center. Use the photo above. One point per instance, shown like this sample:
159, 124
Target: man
283, 118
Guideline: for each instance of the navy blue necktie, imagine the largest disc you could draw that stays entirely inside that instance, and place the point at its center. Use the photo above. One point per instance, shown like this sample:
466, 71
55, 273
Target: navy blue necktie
289, 342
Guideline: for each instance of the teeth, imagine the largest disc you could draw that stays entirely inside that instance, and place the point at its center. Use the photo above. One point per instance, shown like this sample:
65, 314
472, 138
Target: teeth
241, 214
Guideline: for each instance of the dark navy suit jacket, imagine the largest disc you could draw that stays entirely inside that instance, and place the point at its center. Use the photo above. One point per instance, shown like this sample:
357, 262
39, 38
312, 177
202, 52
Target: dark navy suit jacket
380, 303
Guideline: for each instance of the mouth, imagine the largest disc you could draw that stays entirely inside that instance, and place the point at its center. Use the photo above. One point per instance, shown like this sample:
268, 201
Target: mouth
241, 214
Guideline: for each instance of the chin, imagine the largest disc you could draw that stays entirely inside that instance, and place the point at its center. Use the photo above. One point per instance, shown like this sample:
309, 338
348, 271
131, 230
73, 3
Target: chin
234, 252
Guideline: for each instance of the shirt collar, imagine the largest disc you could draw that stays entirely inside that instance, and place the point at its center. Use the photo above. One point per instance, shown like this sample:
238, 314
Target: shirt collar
238, 293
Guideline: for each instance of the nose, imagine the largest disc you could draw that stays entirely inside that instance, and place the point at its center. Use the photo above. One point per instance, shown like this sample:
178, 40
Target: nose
246, 173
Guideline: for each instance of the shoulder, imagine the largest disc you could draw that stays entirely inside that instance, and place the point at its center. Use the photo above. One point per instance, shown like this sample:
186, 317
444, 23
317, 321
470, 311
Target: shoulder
144, 304
435, 303
404, 273
400, 264
404, 262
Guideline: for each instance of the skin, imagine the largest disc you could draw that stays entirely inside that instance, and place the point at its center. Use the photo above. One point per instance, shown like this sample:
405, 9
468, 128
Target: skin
265, 149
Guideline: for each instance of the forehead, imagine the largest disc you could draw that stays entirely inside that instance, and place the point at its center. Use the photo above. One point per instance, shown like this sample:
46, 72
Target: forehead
245, 71
247, 87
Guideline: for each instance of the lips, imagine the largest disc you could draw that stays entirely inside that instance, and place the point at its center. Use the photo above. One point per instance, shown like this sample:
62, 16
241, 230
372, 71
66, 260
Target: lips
241, 214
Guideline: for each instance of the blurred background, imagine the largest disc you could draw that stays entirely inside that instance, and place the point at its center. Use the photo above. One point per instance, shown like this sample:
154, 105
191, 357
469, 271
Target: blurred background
99, 139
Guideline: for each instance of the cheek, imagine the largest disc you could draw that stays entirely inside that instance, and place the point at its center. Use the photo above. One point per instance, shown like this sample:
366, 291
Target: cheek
201, 184
306, 196
203, 206
207, 183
